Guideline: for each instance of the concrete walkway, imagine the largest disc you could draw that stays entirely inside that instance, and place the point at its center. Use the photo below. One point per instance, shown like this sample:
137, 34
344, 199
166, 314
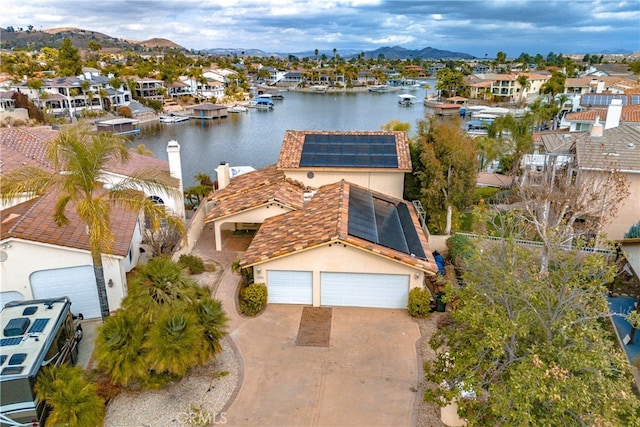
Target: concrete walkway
366, 377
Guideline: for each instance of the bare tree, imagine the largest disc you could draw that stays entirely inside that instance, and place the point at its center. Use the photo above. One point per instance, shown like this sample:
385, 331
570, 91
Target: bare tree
568, 203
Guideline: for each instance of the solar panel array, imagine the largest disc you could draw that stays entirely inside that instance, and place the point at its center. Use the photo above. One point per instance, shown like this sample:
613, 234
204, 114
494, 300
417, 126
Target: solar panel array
635, 99
10, 341
38, 326
345, 150
601, 99
382, 222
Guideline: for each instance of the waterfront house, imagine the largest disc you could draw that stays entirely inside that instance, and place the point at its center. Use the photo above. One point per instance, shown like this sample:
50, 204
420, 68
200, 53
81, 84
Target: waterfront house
349, 246
41, 260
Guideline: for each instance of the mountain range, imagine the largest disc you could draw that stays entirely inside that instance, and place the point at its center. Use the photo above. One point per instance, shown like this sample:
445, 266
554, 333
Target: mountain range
34, 39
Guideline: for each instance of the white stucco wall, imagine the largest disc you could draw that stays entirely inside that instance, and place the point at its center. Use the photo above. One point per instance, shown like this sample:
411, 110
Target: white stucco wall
628, 211
337, 257
25, 258
391, 183
255, 215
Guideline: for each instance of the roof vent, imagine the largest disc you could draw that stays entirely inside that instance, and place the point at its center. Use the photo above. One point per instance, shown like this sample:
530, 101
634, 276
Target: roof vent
16, 327
631, 145
28, 311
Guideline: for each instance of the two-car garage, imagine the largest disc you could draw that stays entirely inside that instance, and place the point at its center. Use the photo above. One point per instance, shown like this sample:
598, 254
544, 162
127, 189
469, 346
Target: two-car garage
339, 289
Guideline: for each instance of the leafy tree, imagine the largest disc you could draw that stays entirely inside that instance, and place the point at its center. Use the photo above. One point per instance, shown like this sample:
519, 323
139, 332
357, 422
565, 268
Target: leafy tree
73, 400
69, 59
635, 67
532, 347
78, 158
634, 231
554, 85
446, 171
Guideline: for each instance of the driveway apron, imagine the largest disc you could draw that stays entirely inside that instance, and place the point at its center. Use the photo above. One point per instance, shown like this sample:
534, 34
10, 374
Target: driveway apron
365, 377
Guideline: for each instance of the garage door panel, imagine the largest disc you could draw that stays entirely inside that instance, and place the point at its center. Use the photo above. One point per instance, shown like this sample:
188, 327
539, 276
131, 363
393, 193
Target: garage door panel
290, 287
364, 290
77, 283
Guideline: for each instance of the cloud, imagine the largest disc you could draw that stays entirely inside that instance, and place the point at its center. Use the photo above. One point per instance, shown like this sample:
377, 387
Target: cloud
475, 27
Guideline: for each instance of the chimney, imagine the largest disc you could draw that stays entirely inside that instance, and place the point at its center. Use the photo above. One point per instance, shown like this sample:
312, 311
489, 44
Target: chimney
597, 130
600, 86
224, 175
175, 169
613, 114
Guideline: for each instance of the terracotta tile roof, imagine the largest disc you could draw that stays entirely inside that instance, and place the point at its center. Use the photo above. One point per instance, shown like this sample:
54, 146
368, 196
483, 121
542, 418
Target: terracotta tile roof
293, 143
490, 179
618, 148
33, 221
630, 114
254, 189
21, 146
324, 220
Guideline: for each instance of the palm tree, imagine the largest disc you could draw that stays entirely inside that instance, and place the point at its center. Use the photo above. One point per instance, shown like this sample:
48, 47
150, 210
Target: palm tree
73, 400
78, 158
524, 83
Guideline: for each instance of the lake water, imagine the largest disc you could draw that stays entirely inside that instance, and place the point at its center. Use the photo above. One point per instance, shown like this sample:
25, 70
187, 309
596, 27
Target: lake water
254, 138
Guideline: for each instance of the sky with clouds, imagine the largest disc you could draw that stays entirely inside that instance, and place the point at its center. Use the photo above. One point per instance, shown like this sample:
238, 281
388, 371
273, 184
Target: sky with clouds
476, 27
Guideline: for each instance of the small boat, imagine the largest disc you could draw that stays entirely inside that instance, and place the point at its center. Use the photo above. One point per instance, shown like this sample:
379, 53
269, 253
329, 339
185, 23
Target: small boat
318, 89
379, 88
173, 118
263, 102
405, 99
237, 109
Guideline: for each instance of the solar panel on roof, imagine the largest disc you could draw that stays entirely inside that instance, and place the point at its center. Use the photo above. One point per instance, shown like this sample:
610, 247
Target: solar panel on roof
601, 99
390, 232
635, 99
410, 234
362, 216
347, 150
10, 341
38, 326
383, 222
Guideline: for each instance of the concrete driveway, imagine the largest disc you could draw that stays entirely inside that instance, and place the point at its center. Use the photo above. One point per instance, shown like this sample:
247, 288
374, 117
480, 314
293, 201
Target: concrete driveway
364, 378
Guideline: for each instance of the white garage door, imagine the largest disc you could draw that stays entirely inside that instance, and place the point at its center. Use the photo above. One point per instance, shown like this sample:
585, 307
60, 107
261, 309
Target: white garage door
290, 287
9, 296
77, 283
364, 290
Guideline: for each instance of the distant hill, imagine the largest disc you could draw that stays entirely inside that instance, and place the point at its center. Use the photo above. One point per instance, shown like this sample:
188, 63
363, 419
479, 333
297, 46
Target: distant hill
80, 38
397, 52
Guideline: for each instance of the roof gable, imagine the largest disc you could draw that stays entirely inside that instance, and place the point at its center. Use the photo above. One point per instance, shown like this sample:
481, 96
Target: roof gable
617, 149
350, 214
33, 221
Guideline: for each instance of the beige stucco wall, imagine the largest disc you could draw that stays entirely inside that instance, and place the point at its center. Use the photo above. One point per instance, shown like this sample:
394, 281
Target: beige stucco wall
628, 211
255, 215
336, 257
391, 183
25, 258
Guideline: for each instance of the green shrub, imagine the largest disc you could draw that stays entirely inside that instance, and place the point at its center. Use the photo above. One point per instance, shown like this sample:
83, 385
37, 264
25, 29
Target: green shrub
194, 263
419, 302
460, 248
634, 231
253, 299
484, 193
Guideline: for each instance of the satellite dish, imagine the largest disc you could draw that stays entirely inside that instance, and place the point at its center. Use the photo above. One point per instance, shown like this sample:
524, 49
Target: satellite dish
3, 256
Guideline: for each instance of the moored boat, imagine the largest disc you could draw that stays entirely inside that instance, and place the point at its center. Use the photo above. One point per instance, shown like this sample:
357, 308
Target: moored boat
405, 99
173, 118
263, 102
237, 109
